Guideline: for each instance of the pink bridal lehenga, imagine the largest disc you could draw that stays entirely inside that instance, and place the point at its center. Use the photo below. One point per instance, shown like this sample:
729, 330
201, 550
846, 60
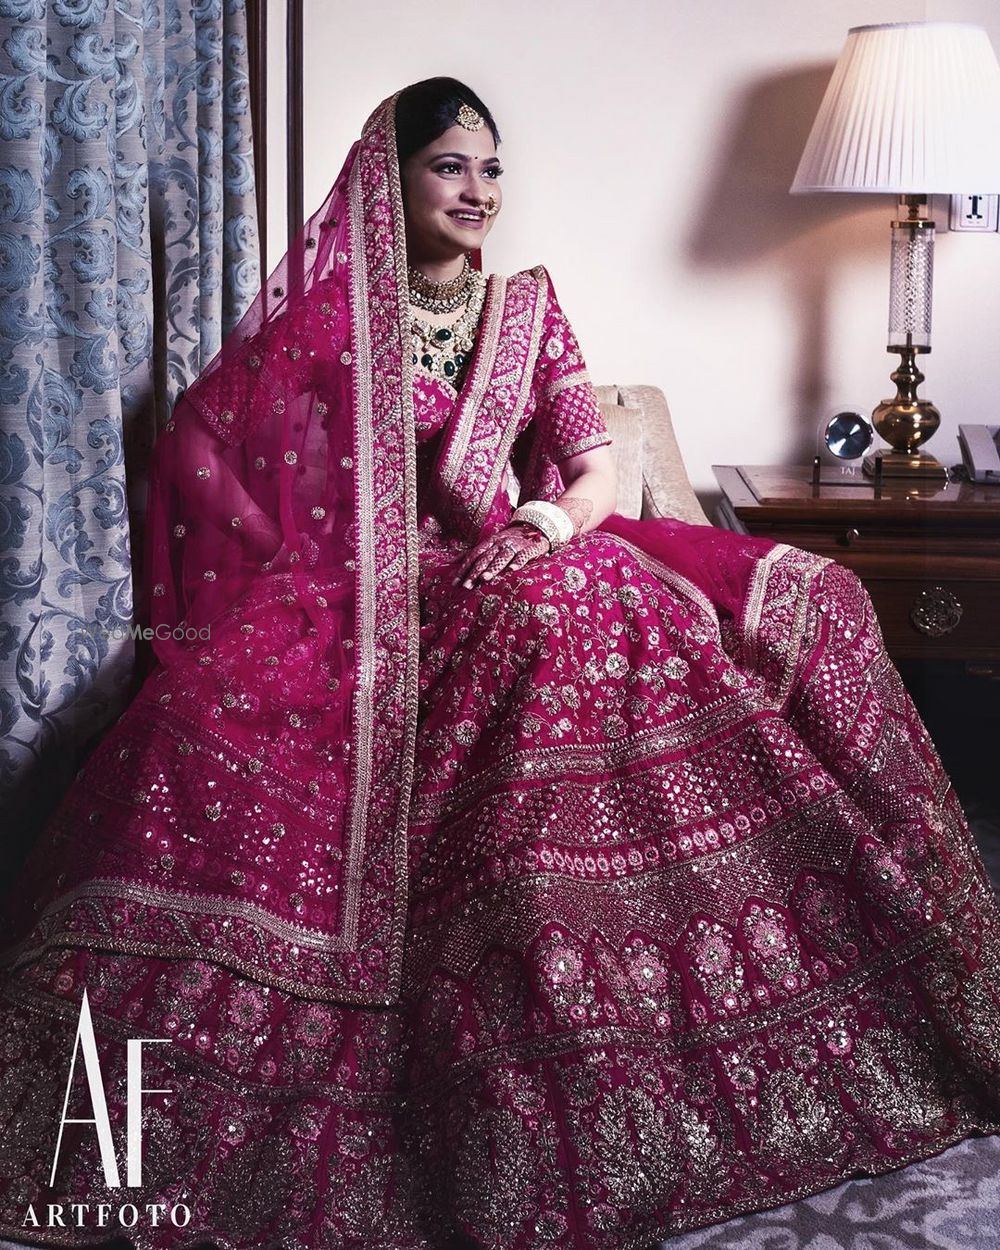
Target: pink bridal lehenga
618, 896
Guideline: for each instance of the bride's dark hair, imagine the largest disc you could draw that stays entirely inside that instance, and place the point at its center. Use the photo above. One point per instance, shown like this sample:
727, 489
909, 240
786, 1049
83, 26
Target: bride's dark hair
426, 109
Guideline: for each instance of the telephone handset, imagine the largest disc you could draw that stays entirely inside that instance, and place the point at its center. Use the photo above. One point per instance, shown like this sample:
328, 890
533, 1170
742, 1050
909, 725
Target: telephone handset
980, 452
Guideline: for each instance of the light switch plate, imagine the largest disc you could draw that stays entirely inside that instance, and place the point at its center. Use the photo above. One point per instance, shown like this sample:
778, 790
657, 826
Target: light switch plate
977, 213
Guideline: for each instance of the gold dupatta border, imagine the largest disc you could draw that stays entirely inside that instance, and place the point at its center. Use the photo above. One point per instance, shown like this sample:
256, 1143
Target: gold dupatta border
411, 581
459, 430
385, 721
481, 431
773, 626
509, 432
367, 593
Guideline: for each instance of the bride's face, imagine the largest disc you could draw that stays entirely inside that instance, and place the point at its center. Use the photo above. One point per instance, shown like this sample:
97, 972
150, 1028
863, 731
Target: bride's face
446, 187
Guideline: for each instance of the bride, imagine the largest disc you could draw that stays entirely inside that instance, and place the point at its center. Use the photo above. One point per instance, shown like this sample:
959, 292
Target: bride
489, 876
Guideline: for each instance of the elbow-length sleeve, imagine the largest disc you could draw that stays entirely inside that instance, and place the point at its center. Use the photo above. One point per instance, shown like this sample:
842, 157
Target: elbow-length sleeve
567, 412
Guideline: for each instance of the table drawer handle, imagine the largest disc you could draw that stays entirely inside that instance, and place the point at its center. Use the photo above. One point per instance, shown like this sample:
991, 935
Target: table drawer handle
851, 536
935, 612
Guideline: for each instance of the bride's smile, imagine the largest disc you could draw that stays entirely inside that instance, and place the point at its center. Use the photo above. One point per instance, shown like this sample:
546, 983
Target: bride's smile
451, 197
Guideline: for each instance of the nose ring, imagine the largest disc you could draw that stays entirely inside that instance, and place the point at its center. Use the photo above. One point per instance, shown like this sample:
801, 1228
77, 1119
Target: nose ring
491, 209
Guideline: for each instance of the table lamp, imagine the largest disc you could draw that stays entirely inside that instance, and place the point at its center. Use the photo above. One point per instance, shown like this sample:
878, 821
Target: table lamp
912, 109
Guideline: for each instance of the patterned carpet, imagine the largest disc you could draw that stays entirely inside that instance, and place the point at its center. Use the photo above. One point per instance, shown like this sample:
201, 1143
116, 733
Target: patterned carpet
950, 1202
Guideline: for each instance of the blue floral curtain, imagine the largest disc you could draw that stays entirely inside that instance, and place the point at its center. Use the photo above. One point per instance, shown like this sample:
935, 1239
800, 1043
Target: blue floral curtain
128, 248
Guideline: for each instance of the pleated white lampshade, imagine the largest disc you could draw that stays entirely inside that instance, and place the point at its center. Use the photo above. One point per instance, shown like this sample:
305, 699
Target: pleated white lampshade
912, 108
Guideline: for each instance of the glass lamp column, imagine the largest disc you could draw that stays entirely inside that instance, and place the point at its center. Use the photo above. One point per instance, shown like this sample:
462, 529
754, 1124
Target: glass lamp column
906, 422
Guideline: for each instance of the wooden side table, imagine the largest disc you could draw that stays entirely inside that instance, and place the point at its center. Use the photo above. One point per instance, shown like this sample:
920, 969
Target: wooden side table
928, 554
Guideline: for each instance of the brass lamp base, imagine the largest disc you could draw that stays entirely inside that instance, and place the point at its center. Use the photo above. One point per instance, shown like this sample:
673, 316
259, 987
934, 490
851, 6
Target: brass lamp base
905, 421
897, 464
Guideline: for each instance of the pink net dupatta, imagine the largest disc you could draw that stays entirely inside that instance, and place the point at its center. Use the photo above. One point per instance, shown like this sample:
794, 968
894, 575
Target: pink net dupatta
283, 513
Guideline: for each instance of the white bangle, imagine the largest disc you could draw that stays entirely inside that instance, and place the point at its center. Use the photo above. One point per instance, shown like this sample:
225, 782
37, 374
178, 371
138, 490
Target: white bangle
560, 516
554, 522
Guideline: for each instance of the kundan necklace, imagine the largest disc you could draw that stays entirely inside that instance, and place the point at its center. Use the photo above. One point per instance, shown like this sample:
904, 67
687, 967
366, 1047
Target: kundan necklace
443, 351
439, 297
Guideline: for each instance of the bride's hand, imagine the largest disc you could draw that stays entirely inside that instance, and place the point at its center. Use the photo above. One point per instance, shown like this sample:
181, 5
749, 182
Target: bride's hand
510, 548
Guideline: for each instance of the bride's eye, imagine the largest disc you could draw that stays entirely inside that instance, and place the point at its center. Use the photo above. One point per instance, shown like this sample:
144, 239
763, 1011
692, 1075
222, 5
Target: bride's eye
494, 172
442, 169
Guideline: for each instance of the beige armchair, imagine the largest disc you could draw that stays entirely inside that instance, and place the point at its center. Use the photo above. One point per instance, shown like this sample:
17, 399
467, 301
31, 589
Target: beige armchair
652, 480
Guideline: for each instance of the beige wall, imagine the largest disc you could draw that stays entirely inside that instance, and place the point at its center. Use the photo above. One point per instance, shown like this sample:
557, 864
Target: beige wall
648, 147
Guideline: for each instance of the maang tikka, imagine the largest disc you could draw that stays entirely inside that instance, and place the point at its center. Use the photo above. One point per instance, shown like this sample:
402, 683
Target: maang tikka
469, 118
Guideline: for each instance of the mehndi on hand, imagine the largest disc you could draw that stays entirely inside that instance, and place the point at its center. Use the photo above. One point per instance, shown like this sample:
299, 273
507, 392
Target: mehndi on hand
509, 549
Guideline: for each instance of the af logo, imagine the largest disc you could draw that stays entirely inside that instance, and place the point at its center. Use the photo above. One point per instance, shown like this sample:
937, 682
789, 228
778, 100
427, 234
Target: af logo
100, 1214
134, 1092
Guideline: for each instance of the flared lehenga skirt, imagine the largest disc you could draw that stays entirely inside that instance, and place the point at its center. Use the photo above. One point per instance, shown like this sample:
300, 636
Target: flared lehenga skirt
696, 927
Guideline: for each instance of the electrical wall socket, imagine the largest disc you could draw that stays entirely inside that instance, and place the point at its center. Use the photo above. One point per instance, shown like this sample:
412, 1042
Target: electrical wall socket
974, 212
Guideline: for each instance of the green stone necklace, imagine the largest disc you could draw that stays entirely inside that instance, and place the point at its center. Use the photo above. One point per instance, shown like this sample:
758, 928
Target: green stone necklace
443, 351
